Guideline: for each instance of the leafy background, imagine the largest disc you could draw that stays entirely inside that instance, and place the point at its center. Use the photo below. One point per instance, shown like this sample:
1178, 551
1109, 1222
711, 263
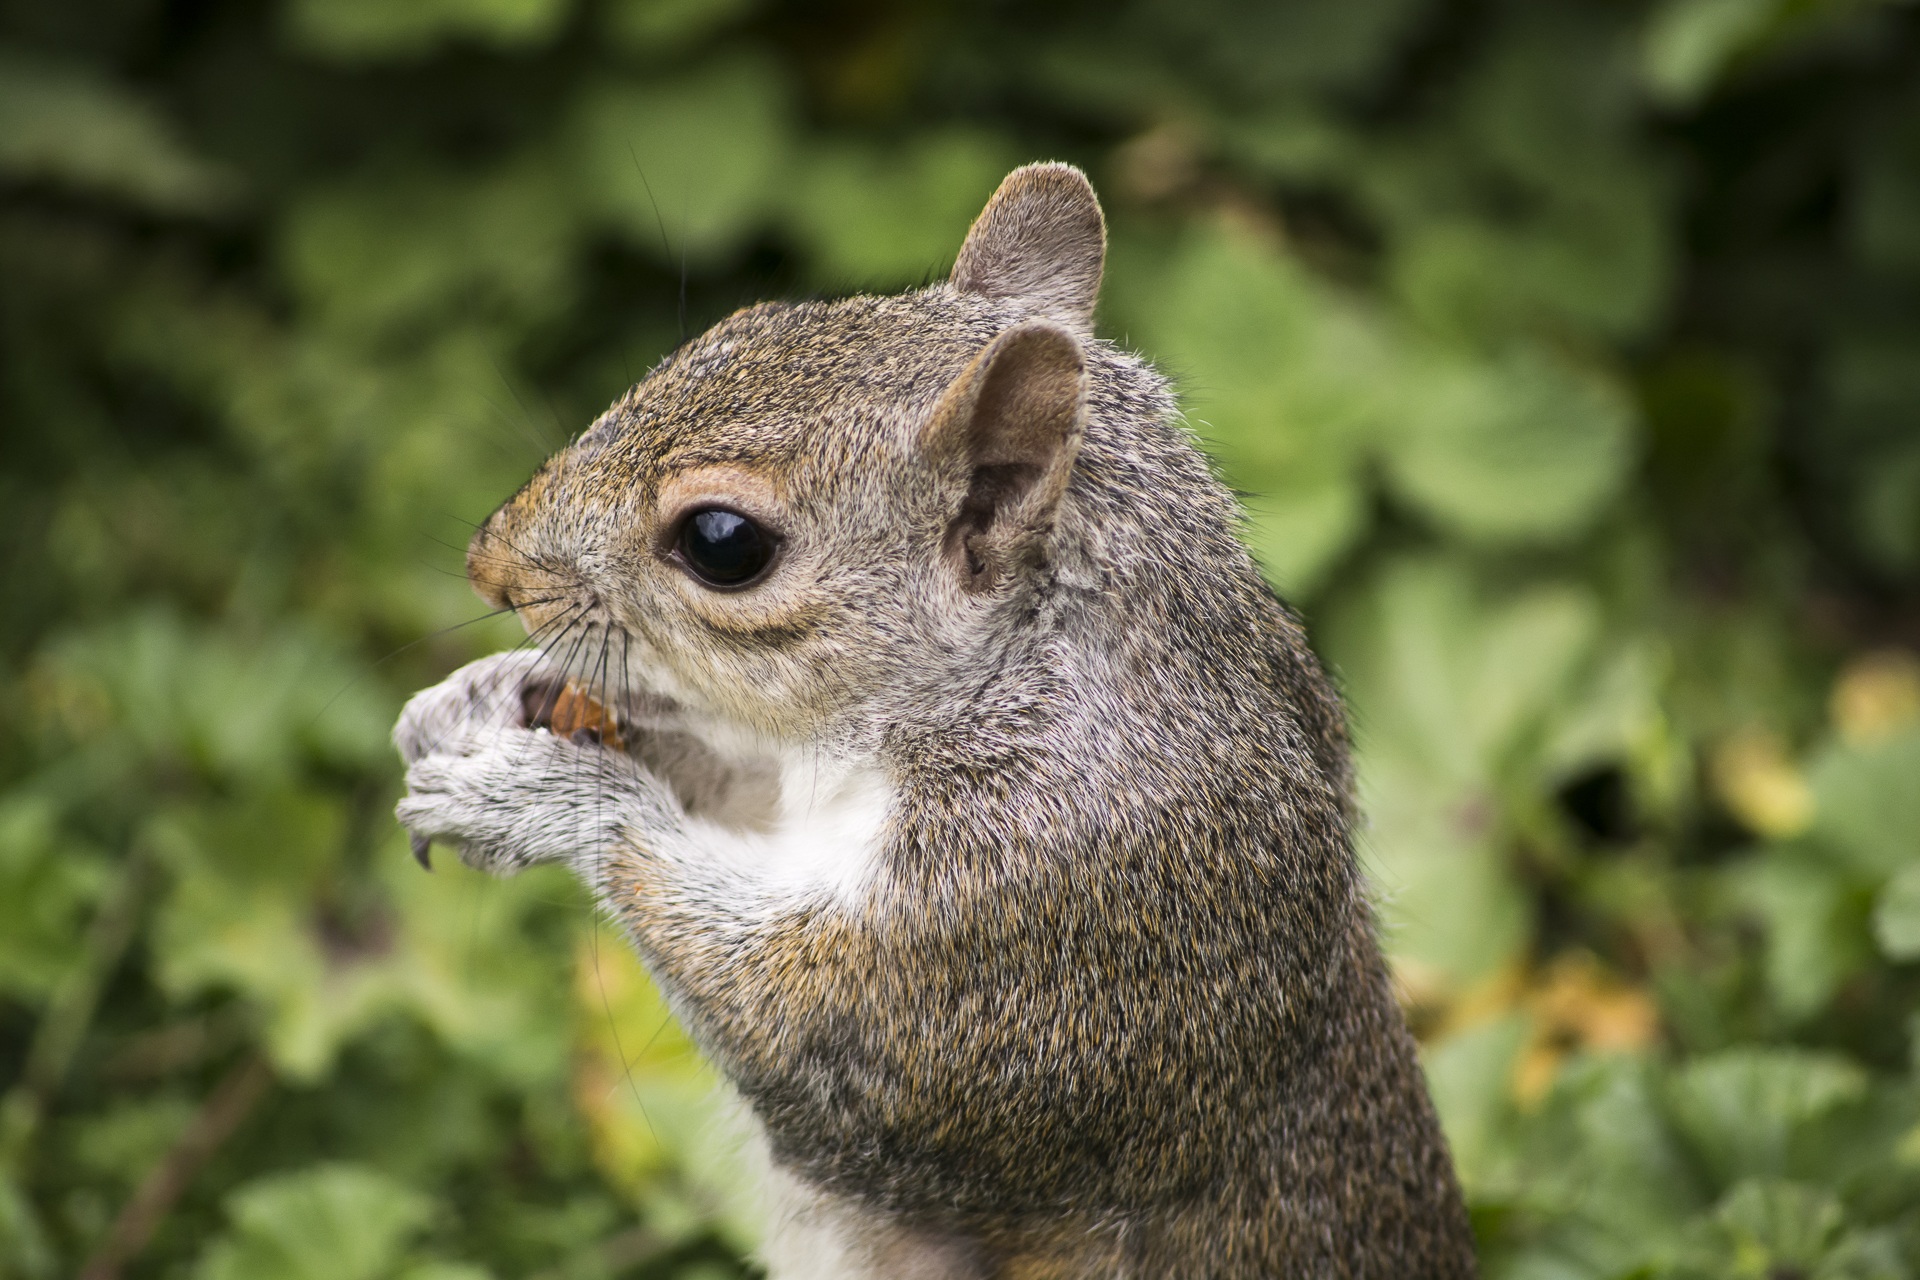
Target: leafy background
1568, 352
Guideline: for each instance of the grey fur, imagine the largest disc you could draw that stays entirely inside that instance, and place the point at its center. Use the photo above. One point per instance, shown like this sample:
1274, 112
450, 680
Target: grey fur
1108, 1000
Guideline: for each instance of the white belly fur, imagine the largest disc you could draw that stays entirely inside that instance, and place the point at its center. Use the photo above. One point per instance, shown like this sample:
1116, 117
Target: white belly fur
820, 840
811, 1235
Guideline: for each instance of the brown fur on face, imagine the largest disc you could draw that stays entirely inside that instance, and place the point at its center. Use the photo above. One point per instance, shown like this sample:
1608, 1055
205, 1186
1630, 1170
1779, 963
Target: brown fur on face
1108, 1000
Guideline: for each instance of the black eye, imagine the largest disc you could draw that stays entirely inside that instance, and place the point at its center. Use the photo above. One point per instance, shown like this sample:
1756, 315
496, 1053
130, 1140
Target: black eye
724, 548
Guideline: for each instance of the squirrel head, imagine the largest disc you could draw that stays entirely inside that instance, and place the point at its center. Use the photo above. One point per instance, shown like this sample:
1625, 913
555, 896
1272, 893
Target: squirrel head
812, 508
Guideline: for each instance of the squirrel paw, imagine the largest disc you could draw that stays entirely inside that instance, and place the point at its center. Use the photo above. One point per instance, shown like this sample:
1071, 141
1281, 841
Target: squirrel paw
509, 797
479, 698
505, 794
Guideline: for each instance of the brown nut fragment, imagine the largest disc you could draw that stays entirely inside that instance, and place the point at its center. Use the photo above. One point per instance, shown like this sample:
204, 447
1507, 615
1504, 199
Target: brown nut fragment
575, 712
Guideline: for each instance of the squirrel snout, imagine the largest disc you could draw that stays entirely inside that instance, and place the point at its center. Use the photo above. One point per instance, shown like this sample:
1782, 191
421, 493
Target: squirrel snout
494, 568
508, 573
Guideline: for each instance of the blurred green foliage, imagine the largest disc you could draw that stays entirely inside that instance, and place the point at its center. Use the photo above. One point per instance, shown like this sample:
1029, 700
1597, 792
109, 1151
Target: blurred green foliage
1568, 353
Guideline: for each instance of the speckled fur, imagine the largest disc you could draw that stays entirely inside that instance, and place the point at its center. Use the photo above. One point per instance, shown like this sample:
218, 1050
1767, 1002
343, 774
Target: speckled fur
1109, 1002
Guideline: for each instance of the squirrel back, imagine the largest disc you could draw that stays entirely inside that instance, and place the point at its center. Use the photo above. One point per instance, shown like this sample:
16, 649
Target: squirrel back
989, 819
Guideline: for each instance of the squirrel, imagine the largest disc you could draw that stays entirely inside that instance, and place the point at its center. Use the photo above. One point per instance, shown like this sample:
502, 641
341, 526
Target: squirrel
978, 807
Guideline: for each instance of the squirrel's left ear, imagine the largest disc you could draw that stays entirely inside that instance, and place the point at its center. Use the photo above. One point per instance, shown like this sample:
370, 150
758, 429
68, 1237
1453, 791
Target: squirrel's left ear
1004, 438
1042, 239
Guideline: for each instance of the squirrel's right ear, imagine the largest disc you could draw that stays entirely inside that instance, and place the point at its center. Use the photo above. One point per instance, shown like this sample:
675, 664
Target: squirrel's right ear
1041, 238
1004, 436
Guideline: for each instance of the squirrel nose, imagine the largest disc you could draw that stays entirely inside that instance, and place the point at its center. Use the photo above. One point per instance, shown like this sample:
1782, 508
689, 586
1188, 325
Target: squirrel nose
494, 568
508, 565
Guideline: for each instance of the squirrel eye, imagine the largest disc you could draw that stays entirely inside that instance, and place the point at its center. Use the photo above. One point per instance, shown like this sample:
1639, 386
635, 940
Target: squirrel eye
724, 548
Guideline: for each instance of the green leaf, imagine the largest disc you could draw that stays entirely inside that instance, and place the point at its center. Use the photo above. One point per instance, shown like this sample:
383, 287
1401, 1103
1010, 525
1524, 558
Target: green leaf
1522, 449
1866, 806
471, 968
1896, 915
228, 707
1615, 717
371, 30
1889, 508
1451, 906
1689, 43
1293, 385
1302, 145
651, 1103
434, 427
1468, 1075
1794, 1224
24, 1250
1608, 1110
256, 908
665, 26
1284, 374
1692, 45
46, 886
122, 1142
1745, 1112
1285, 380
1873, 393
1816, 925
1773, 1228
329, 1222
1276, 50
1297, 534
241, 914
1449, 691
885, 218
695, 161
67, 125
1596, 1182
371, 256
1599, 265
1545, 104
1549, 218
1456, 678
444, 1271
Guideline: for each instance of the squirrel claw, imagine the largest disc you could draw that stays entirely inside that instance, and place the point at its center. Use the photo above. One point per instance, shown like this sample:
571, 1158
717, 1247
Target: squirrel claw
422, 847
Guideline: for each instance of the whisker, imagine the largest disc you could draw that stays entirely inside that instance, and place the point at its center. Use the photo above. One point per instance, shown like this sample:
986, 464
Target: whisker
380, 662
549, 563
526, 420
493, 696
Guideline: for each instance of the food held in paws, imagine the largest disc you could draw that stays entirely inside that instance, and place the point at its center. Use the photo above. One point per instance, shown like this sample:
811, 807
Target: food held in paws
575, 712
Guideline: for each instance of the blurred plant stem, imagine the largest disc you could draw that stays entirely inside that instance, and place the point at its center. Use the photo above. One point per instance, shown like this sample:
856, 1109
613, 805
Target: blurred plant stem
70, 1012
230, 1103
616, 1255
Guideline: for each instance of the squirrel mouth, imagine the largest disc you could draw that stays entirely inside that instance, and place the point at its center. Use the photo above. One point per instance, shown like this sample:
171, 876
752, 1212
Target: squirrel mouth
563, 708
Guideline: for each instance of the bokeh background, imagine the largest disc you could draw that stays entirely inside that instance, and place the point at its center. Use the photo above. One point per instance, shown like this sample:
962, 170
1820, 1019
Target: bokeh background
1568, 354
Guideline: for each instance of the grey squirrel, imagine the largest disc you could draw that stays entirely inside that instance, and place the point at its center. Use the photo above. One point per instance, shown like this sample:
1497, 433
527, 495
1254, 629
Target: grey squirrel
979, 809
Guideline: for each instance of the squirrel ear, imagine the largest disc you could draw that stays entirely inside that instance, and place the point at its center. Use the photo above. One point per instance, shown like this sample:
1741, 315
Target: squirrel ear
1040, 238
1007, 430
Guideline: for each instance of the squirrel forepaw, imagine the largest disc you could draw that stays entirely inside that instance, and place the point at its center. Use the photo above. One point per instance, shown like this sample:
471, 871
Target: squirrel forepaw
479, 698
509, 797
